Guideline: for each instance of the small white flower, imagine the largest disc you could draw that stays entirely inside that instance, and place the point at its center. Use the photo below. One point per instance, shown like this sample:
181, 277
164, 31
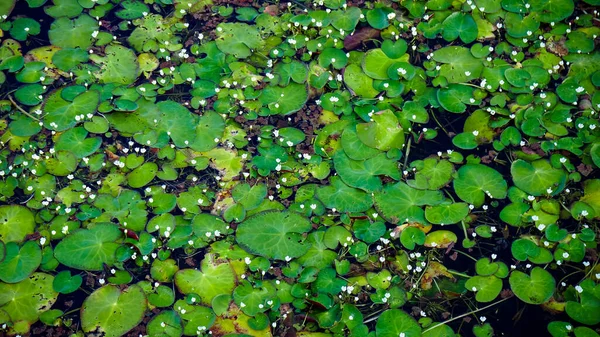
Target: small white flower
579, 289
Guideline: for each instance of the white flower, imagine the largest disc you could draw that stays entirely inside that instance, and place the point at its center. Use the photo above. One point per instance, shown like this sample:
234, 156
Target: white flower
580, 90
579, 289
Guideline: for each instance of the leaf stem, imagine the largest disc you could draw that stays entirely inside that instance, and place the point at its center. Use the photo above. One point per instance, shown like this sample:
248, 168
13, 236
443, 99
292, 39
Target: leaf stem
466, 314
21, 109
407, 153
465, 254
439, 124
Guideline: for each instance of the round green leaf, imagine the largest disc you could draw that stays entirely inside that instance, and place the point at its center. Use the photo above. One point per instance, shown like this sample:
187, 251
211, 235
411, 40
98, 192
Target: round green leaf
112, 311
536, 288
537, 177
395, 322
89, 249
21, 262
474, 181
65, 283
211, 280
24, 301
446, 214
486, 288
275, 235
15, 223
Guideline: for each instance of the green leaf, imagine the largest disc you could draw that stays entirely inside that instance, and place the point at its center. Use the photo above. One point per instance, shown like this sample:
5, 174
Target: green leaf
275, 235
459, 25
446, 214
76, 141
112, 311
455, 97
142, 175
167, 323
486, 288
383, 132
395, 322
61, 8
60, 114
21, 262
89, 249
364, 174
65, 283
457, 63
412, 236
26, 300
68, 58
474, 181
285, 100
65, 33
587, 309
344, 198
119, 65
16, 222
376, 63
238, 39
212, 280
399, 202
536, 288
537, 177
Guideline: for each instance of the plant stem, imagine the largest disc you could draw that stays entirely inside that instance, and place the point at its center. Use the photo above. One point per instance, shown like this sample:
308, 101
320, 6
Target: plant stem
21, 109
439, 124
466, 314
465, 254
407, 153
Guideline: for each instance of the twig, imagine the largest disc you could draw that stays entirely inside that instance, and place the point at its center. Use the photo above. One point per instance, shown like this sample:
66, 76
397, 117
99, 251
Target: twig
466, 314
21, 109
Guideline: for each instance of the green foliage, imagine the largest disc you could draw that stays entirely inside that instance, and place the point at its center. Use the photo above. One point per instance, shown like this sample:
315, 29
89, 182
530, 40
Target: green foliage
205, 168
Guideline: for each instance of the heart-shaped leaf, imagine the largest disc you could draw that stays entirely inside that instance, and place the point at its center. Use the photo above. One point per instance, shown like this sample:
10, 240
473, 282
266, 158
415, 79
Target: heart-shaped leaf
275, 235
113, 312
21, 262
89, 249
534, 289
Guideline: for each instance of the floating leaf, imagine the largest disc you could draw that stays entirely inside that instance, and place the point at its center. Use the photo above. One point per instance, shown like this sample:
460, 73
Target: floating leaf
538, 177
113, 311
213, 279
20, 262
536, 288
474, 181
16, 222
89, 249
399, 202
395, 322
275, 235
26, 300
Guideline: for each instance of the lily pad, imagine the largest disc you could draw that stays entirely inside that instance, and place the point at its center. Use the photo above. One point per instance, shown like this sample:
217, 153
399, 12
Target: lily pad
344, 198
238, 39
474, 181
89, 249
213, 279
26, 300
459, 65
16, 222
119, 65
395, 322
538, 177
20, 262
113, 311
399, 202
446, 214
275, 235
536, 288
